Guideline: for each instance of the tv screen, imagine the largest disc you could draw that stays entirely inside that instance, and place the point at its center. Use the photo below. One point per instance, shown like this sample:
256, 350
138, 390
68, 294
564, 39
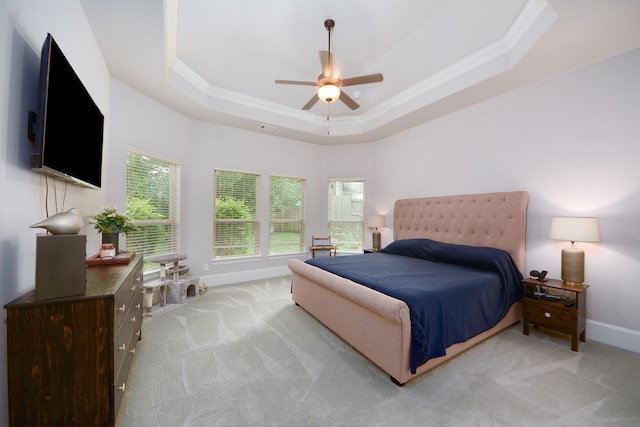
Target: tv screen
69, 125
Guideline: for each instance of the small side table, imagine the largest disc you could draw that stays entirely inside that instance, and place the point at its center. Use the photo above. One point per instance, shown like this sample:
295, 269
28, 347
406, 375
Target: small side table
557, 306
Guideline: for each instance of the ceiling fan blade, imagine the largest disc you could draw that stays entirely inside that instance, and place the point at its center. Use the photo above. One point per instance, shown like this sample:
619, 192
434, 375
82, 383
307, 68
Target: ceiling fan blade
295, 82
311, 102
360, 80
348, 100
326, 61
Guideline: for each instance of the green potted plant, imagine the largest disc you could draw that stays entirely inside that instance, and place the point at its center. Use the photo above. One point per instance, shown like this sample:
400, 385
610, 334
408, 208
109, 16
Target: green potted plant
110, 223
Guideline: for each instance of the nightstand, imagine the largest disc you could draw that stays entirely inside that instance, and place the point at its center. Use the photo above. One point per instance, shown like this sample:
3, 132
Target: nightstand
556, 306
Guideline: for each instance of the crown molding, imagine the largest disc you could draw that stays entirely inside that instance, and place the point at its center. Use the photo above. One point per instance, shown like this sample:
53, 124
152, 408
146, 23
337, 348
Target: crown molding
529, 26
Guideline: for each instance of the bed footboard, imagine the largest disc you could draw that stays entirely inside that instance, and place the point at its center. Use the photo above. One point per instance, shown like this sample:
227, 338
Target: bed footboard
375, 324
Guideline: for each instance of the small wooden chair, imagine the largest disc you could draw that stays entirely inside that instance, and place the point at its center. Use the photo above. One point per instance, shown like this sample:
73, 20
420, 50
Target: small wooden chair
320, 244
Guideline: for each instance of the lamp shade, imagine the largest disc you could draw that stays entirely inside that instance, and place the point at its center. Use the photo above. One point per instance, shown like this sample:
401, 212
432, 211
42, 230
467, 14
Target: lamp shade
329, 93
376, 221
575, 229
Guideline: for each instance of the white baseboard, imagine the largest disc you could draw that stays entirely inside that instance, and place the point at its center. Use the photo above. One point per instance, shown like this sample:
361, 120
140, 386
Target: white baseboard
616, 336
244, 276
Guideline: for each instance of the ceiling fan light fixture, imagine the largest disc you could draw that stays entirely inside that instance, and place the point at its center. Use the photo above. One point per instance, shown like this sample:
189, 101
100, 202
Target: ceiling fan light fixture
329, 83
328, 93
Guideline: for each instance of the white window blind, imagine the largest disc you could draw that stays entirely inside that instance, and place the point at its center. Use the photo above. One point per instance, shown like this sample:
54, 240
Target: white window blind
286, 214
153, 203
346, 213
236, 222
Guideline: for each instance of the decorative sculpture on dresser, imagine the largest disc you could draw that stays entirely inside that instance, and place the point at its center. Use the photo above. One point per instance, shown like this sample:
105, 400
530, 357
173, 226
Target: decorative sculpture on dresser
69, 222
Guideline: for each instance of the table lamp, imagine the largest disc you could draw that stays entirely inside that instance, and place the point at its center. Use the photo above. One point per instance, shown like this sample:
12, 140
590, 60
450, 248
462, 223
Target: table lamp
574, 230
376, 221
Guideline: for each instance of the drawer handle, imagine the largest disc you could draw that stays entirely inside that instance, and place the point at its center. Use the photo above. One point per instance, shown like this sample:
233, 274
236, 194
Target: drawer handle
133, 319
132, 351
138, 306
138, 333
547, 314
123, 347
133, 288
122, 308
122, 387
138, 279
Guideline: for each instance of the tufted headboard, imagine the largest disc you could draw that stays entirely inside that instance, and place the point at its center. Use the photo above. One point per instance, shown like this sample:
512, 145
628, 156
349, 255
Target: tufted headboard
497, 220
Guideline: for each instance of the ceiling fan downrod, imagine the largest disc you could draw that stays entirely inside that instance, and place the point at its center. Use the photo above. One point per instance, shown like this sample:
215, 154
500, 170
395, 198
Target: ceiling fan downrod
329, 24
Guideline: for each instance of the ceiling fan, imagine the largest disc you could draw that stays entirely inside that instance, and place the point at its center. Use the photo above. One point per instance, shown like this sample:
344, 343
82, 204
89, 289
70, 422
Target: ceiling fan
329, 83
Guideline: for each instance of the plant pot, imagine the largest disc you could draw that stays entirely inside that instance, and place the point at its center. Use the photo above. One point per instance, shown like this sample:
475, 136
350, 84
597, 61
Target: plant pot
113, 238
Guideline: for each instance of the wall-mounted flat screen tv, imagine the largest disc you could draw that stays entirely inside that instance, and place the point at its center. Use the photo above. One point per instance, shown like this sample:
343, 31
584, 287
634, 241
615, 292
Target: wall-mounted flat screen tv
69, 127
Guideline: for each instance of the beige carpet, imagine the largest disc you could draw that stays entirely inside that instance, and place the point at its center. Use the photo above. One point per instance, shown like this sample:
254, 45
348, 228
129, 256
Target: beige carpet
245, 355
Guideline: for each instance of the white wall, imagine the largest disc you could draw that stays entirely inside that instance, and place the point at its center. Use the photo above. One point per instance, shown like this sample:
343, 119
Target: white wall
145, 125
23, 27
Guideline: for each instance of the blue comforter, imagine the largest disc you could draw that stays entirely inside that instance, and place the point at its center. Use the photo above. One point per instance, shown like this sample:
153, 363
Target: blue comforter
453, 292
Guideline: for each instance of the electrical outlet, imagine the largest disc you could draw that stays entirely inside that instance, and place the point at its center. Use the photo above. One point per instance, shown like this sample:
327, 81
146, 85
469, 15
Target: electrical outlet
206, 267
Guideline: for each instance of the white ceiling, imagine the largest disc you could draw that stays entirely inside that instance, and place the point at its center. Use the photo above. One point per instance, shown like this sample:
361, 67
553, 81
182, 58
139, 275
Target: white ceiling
217, 60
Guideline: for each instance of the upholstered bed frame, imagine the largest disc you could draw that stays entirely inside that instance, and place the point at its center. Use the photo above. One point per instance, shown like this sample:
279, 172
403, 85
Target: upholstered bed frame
377, 325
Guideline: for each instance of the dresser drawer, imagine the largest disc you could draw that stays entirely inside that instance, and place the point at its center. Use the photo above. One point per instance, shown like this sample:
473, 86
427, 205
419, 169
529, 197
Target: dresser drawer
129, 334
122, 371
123, 299
129, 315
122, 343
137, 308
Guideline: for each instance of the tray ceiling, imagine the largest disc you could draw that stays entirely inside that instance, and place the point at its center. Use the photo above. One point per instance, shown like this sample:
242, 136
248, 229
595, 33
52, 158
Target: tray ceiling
217, 60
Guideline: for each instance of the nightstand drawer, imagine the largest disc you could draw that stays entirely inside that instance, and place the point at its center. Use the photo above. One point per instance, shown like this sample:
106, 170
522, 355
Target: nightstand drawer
552, 314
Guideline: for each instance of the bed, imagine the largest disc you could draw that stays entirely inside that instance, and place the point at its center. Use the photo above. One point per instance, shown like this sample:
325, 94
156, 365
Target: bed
379, 325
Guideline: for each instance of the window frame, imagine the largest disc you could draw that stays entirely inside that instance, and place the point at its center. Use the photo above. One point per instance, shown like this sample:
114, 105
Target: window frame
335, 231
170, 223
298, 222
242, 222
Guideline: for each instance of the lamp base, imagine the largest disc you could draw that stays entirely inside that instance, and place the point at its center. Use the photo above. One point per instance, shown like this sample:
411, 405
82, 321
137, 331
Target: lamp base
377, 241
573, 266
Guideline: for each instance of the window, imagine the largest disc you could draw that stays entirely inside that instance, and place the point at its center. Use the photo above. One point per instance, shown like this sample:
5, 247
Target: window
153, 203
236, 223
346, 214
286, 215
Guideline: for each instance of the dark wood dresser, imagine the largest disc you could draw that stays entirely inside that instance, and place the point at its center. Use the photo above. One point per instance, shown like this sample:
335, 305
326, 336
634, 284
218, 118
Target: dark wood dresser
68, 358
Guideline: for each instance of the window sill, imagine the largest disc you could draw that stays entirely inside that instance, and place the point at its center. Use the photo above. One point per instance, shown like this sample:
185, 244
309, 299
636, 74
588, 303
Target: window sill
237, 260
289, 255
